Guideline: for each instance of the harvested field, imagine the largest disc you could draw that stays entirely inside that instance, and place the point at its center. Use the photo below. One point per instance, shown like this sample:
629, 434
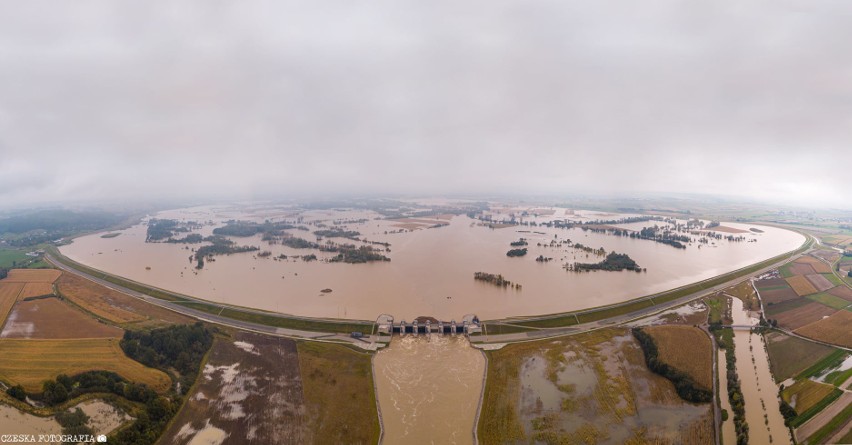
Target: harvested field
37, 289
31, 362
588, 388
803, 315
113, 305
775, 309
52, 318
820, 282
800, 268
772, 283
842, 292
788, 355
33, 275
340, 400
8, 296
805, 393
818, 265
251, 387
687, 349
776, 296
834, 329
801, 285
828, 255
829, 300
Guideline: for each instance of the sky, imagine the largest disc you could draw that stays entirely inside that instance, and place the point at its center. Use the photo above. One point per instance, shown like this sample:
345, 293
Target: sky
139, 100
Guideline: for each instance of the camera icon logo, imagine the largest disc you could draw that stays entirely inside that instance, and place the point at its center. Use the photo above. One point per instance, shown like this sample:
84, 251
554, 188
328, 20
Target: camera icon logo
101, 438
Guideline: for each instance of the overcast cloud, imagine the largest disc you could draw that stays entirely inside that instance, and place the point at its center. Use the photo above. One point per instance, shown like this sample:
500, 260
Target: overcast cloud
106, 99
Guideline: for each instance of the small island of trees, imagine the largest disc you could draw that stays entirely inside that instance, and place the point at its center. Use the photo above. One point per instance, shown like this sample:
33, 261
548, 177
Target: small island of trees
496, 280
612, 262
517, 252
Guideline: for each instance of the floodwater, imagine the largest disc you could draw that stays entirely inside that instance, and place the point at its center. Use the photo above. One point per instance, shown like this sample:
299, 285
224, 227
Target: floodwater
431, 272
760, 394
429, 389
13, 421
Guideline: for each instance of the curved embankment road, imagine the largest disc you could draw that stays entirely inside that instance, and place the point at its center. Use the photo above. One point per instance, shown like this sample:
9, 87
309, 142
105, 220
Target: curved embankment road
366, 342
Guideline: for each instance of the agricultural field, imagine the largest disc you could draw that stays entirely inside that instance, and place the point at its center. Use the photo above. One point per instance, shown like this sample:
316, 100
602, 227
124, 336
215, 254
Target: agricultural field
788, 356
114, 306
53, 318
842, 292
834, 329
33, 275
828, 255
687, 349
251, 388
776, 296
592, 388
801, 285
794, 314
820, 282
31, 362
8, 296
11, 258
335, 379
829, 300
818, 265
805, 394
824, 424
35, 289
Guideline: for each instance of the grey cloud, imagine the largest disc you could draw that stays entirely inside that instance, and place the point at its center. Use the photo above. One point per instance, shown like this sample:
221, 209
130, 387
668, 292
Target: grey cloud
140, 100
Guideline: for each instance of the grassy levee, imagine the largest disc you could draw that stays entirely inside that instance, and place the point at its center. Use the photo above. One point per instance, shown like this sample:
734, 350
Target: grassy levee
816, 408
233, 312
638, 304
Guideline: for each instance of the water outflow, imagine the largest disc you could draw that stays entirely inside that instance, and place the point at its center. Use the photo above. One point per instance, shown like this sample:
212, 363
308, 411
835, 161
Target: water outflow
429, 389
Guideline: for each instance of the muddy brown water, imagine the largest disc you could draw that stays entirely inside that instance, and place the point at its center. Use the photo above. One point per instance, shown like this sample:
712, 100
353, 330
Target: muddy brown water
429, 389
760, 393
431, 272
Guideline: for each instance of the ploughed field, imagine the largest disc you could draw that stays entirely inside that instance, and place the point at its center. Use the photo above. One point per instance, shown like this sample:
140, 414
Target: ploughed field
416, 259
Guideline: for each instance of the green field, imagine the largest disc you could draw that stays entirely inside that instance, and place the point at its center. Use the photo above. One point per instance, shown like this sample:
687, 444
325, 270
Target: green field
833, 278
829, 300
11, 258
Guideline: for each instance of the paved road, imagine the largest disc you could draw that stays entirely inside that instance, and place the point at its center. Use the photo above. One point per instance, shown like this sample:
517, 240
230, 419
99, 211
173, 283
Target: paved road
368, 342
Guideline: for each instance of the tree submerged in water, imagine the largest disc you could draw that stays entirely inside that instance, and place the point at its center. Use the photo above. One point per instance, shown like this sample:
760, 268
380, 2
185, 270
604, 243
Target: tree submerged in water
496, 280
612, 262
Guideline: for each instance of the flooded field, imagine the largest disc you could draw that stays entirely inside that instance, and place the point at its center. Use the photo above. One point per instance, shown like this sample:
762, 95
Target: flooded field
593, 388
760, 393
432, 263
429, 389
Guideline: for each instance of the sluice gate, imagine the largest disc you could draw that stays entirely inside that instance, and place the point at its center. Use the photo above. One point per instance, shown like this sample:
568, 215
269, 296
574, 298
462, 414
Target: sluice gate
428, 325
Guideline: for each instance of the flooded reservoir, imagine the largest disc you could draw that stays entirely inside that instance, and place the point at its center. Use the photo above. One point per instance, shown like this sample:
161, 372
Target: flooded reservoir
432, 263
760, 394
428, 389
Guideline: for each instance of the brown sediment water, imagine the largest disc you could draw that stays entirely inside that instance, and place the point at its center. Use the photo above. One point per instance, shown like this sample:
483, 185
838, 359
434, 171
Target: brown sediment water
760, 393
429, 389
13, 421
431, 269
